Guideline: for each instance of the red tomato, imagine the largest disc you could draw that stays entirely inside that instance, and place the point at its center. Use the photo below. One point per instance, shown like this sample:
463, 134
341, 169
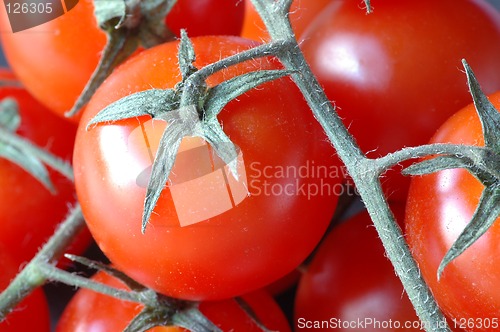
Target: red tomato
32, 314
439, 207
265, 236
93, 312
56, 59
29, 212
207, 17
396, 74
302, 13
67, 51
350, 280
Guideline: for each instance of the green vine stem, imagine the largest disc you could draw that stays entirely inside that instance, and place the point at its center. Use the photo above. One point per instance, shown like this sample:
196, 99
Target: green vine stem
33, 275
364, 172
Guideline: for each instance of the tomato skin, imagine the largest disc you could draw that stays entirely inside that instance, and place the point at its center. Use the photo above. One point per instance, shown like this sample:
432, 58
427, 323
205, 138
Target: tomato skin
67, 51
56, 59
29, 213
396, 75
302, 12
235, 252
93, 312
204, 17
439, 207
351, 279
32, 314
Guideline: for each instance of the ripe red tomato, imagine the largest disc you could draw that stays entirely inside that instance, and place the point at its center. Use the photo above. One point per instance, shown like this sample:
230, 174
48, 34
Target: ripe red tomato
439, 207
207, 17
56, 59
288, 172
32, 314
29, 212
396, 75
93, 312
302, 13
350, 280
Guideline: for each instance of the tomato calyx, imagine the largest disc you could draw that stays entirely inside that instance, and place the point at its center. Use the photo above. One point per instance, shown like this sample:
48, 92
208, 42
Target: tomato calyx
190, 109
159, 310
484, 165
127, 24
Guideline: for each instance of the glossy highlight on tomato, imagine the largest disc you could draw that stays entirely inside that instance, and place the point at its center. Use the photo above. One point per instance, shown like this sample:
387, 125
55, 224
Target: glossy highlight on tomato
395, 75
262, 238
55, 60
439, 207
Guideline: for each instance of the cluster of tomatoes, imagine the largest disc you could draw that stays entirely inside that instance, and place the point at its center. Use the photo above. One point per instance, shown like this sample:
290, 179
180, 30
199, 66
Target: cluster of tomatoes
395, 78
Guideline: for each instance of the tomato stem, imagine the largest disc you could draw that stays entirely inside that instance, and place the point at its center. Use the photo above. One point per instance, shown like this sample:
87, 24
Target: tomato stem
364, 172
33, 275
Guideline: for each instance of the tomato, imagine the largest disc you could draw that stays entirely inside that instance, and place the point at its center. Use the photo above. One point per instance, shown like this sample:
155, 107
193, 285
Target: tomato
244, 241
56, 59
439, 207
396, 75
302, 12
93, 312
207, 17
32, 314
29, 211
350, 280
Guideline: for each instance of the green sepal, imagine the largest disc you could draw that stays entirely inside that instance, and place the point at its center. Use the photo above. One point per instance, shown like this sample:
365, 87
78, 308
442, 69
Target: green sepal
368, 6
223, 93
154, 31
152, 102
485, 215
484, 165
180, 314
186, 56
436, 164
147, 319
10, 118
222, 145
107, 12
28, 162
489, 116
192, 319
162, 165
